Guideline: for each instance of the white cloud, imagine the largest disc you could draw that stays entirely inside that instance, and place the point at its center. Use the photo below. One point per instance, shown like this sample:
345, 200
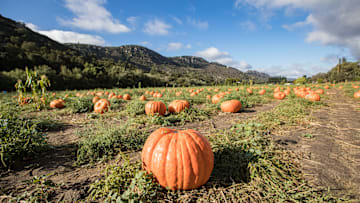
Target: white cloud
177, 20
132, 20
201, 25
173, 46
293, 70
146, 43
68, 36
188, 46
157, 27
32, 26
215, 55
92, 15
334, 23
248, 25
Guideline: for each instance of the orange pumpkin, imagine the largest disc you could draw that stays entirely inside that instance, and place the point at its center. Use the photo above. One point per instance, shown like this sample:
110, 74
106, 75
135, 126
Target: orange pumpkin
262, 92
57, 103
216, 98
279, 95
326, 86
119, 96
95, 99
231, 106
143, 98
313, 97
153, 107
177, 106
127, 97
357, 95
101, 106
319, 91
178, 159
249, 90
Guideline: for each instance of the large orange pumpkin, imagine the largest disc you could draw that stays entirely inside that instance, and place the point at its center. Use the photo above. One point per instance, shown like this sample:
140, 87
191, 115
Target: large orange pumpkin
101, 106
231, 106
179, 160
57, 103
153, 107
279, 95
177, 106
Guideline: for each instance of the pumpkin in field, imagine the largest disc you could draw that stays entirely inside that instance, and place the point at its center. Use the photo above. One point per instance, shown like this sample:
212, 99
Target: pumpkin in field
177, 106
153, 107
208, 97
262, 92
95, 99
101, 106
313, 97
231, 106
26, 100
127, 97
279, 95
319, 91
216, 98
57, 103
143, 98
249, 90
178, 159
111, 95
287, 91
326, 86
356, 86
357, 95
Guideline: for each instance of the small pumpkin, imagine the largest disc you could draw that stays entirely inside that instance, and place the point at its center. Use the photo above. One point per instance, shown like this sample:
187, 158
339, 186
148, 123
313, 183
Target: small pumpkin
57, 103
127, 97
319, 91
216, 98
178, 159
153, 107
249, 90
177, 106
279, 95
357, 95
313, 97
101, 106
142, 98
231, 106
262, 92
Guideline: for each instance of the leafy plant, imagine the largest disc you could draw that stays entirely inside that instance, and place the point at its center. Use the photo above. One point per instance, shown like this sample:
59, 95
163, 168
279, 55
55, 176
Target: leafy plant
80, 105
19, 138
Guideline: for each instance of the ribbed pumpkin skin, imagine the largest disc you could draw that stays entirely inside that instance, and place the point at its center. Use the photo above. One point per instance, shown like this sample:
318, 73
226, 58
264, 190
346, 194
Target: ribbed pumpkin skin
262, 92
231, 106
101, 106
177, 106
179, 160
153, 107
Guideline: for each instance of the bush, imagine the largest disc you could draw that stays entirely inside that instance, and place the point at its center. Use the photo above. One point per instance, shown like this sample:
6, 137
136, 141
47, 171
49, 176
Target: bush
20, 138
80, 105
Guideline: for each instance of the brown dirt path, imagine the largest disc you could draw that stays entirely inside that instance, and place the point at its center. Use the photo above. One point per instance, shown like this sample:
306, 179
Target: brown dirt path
331, 158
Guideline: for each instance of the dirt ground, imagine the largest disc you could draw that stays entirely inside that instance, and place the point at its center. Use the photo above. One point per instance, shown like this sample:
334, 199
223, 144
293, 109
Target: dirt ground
330, 146
330, 158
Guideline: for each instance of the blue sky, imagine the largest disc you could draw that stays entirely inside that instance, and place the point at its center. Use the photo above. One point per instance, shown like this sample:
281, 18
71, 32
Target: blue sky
280, 37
